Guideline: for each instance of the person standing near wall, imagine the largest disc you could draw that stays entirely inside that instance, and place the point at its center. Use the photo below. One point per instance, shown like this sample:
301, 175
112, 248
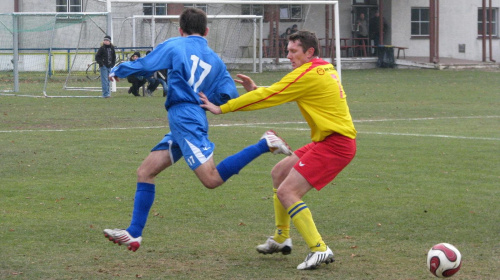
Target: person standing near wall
106, 58
375, 29
362, 27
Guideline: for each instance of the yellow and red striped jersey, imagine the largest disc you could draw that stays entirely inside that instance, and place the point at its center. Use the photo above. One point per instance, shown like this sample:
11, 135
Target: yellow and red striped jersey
316, 88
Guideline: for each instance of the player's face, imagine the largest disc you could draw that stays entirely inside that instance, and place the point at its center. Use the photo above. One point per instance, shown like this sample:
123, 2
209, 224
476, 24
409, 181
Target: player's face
296, 54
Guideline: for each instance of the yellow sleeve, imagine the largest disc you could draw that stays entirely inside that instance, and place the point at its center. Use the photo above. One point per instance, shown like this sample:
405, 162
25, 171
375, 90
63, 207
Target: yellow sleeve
286, 90
316, 89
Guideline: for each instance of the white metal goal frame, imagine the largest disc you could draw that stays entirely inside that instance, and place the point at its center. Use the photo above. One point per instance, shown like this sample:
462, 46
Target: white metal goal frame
256, 2
255, 46
15, 41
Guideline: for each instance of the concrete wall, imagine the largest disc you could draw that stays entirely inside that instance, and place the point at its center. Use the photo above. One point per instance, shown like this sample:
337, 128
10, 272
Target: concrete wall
7, 6
457, 25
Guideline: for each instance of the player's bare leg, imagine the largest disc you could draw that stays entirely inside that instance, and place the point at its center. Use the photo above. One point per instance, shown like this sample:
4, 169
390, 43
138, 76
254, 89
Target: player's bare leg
154, 163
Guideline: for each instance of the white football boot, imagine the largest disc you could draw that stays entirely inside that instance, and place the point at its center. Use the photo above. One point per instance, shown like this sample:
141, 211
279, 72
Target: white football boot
122, 237
315, 259
271, 247
276, 144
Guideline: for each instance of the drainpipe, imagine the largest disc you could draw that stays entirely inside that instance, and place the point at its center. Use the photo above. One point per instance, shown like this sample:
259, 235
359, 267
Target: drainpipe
381, 21
432, 31
327, 32
437, 31
490, 10
484, 31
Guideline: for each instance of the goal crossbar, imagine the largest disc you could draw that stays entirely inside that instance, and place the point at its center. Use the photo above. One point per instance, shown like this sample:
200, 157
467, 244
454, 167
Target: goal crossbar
257, 2
255, 46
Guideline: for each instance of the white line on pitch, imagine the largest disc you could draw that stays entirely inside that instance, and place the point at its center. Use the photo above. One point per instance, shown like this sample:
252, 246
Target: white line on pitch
285, 123
428, 119
432, 135
397, 134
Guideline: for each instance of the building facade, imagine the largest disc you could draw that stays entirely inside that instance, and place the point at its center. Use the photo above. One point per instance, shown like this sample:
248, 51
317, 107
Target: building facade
459, 33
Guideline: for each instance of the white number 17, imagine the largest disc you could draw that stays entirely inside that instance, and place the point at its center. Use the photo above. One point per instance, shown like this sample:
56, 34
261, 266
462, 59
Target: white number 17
206, 69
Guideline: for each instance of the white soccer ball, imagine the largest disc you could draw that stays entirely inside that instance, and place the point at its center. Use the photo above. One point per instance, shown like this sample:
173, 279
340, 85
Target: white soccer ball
444, 260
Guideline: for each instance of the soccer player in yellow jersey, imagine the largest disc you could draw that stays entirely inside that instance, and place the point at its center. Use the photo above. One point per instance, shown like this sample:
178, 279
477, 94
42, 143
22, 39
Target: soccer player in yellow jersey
315, 86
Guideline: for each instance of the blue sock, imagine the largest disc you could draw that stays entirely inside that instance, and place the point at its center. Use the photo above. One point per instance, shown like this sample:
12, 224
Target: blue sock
144, 198
233, 164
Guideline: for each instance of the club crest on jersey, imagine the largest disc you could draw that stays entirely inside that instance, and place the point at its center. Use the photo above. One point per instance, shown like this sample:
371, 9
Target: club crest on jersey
320, 71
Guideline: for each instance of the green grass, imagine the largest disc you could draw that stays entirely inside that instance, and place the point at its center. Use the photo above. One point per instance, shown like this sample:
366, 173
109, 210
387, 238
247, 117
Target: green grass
427, 170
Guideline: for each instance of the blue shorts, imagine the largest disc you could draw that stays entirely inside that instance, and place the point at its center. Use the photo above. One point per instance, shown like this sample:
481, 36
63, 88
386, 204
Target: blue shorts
188, 135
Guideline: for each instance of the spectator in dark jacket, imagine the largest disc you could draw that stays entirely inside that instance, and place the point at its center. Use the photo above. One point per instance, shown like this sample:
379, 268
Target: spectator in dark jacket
106, 58
136, 81
374, 27
159, 77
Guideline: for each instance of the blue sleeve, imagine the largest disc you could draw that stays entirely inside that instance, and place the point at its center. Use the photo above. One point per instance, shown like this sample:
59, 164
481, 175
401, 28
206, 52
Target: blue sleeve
225, 92
158, 59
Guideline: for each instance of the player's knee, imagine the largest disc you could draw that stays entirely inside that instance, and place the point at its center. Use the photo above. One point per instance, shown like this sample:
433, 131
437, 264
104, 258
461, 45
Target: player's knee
211, 184
208, 175
278, 174
281, 194
143, 174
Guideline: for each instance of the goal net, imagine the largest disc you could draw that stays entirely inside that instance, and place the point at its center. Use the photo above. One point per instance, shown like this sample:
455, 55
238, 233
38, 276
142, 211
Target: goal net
234, 39
49, 54
38, 50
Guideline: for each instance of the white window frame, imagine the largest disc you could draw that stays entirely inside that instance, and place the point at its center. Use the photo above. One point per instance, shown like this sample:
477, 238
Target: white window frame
254, 9
154, 7
494, 22
66, 7
203, 7
419, 22
286, 12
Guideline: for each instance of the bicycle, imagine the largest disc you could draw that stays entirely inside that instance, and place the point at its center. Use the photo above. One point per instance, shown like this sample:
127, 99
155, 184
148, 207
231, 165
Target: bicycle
93, 72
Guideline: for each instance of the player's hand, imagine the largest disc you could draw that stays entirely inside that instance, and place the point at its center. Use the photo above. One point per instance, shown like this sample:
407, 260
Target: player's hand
209, 106
246, 82
114, 78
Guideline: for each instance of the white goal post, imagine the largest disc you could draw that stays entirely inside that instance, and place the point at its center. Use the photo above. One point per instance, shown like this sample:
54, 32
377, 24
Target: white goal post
257, 2
38, 49
255, 46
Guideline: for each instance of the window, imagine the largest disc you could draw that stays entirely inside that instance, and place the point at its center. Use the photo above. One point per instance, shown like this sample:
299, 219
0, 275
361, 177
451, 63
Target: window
493, 20
420, 21
251, 10
365, 2
155, 9
256, 10
292, 12
69, 6
199, 6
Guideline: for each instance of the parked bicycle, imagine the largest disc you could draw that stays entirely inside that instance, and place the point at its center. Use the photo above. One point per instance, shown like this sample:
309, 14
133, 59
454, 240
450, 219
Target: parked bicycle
93, 72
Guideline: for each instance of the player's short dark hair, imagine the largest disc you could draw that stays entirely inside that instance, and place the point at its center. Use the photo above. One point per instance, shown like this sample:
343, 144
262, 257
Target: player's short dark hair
193, 21
307, 40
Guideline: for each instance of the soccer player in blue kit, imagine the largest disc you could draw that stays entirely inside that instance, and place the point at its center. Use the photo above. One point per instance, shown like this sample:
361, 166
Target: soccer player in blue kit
193, 67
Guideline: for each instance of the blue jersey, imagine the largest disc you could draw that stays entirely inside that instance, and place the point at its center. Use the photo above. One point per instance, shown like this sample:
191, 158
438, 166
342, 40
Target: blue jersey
192, 67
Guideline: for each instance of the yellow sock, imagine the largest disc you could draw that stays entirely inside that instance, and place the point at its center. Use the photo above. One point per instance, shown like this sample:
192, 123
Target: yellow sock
282, 220
303, 221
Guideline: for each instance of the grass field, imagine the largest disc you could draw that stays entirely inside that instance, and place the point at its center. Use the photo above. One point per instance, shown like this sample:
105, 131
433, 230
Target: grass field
427, 171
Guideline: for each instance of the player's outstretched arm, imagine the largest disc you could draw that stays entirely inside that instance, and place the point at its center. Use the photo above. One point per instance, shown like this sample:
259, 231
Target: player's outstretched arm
246, 82
112, 77
209, 106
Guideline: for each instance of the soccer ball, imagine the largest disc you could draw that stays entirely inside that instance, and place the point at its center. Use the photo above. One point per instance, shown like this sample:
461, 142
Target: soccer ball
444, 260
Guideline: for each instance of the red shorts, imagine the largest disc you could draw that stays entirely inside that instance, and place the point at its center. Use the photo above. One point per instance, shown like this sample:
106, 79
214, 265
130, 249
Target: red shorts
320, 162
